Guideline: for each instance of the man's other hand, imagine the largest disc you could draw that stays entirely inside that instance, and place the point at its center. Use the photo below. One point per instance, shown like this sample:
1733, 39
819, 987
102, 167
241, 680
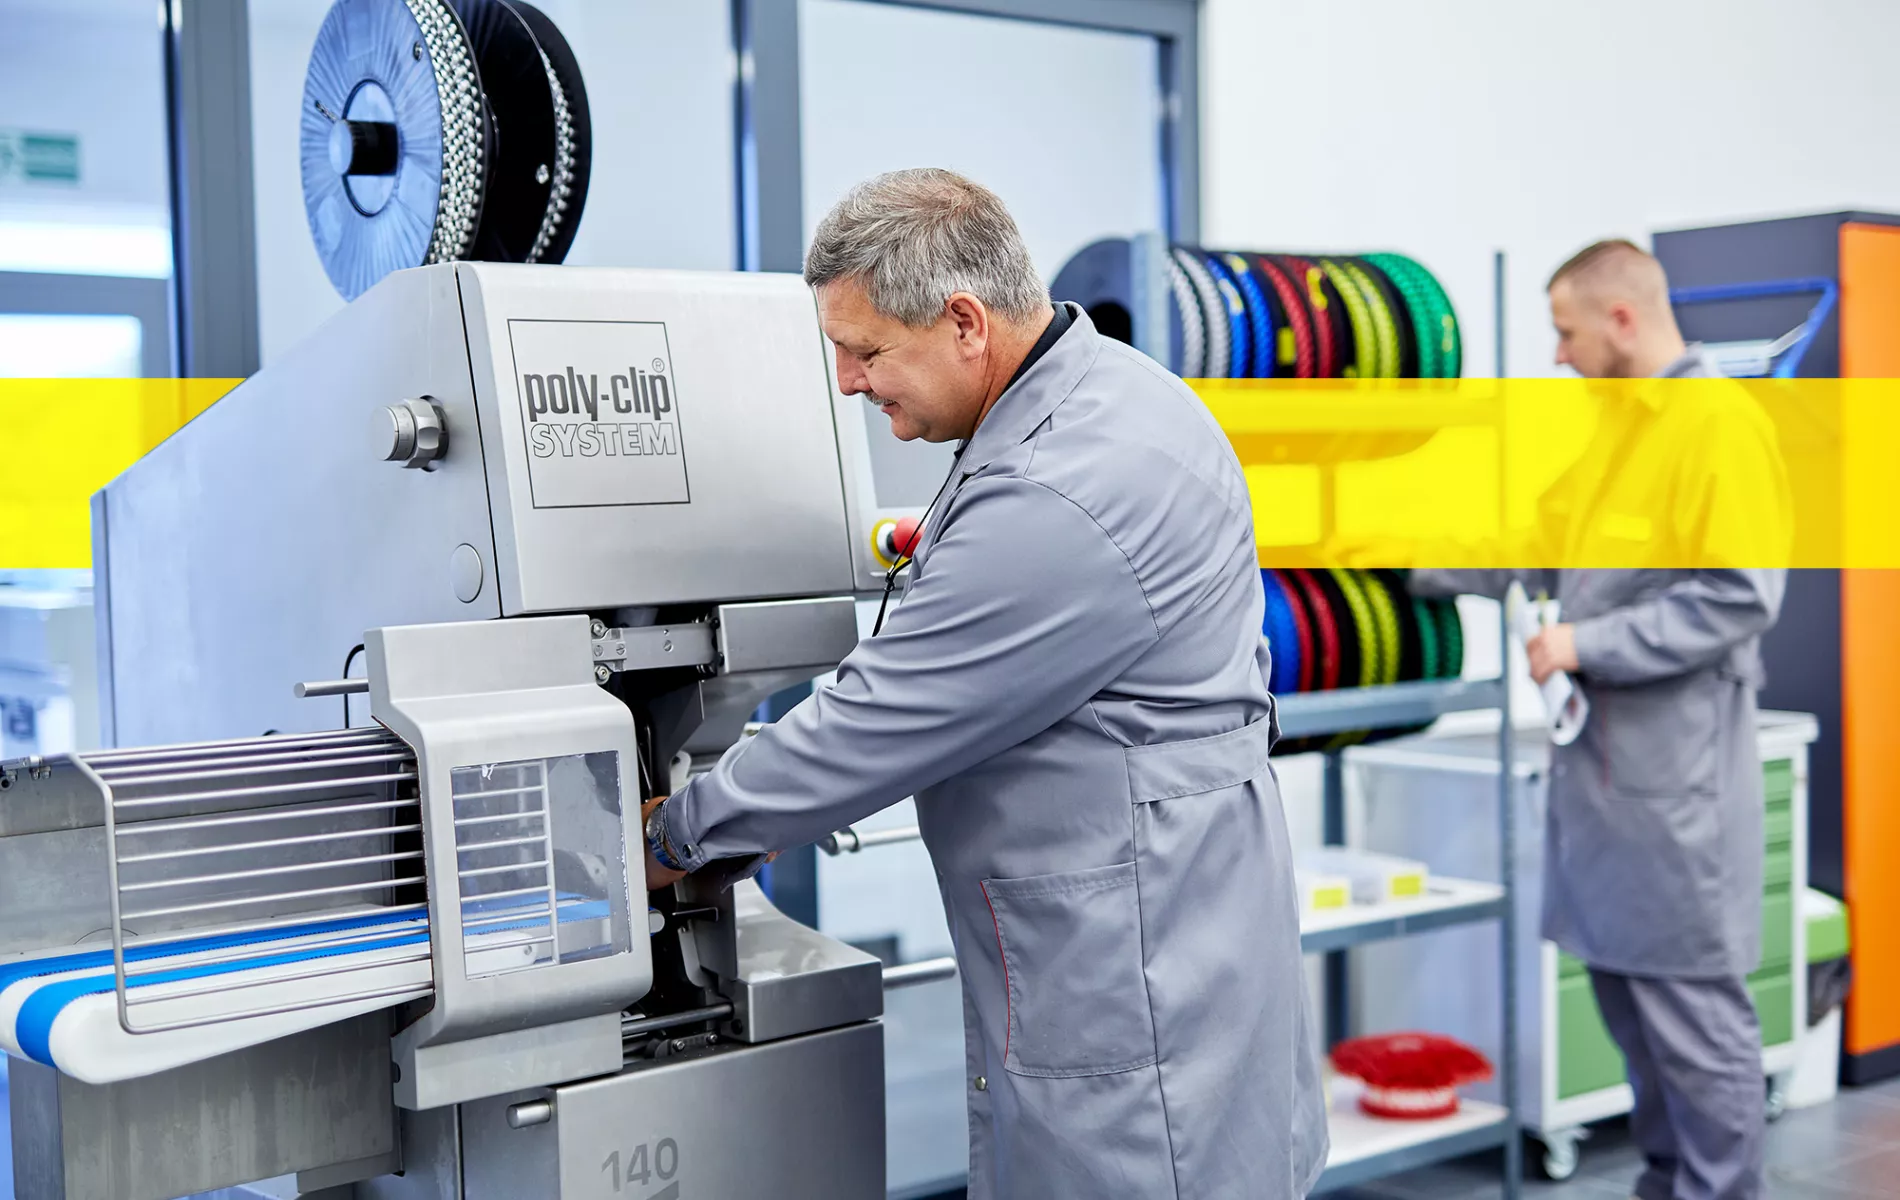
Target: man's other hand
657, 876
1553, 650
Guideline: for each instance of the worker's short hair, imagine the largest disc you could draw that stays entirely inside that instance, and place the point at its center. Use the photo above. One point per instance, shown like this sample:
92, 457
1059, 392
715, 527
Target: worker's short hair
1592, 259
914, 238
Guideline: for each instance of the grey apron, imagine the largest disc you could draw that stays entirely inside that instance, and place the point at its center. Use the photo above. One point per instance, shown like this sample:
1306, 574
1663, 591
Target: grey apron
1073, 688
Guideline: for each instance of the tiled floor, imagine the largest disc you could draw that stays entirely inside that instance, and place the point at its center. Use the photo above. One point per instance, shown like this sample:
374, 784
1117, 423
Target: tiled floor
1847, 1150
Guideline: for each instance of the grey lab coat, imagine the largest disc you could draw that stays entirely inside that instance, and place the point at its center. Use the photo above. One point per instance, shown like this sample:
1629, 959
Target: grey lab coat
1073, 688
1653, 839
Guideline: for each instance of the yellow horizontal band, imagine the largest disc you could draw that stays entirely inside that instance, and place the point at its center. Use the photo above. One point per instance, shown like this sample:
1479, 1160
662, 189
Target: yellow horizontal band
1523, 473
1565, 473
61, 440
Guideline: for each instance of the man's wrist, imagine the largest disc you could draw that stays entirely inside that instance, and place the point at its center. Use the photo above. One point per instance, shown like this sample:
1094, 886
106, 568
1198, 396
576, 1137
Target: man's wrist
659, 843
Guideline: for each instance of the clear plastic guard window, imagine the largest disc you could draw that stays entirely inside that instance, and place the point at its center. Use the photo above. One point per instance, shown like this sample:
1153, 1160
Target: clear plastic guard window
541, 861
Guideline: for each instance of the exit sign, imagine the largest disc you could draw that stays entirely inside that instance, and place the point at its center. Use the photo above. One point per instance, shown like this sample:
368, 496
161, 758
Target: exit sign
28, 157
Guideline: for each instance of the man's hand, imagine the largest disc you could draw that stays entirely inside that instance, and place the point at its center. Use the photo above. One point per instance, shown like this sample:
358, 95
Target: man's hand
1553, 650
657, 876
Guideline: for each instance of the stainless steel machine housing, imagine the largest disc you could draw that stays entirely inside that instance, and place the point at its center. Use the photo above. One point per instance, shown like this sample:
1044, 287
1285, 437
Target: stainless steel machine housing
555, 514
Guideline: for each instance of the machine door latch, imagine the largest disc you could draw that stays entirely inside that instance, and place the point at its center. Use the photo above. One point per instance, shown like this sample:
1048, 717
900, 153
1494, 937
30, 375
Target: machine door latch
650, 647
419, 433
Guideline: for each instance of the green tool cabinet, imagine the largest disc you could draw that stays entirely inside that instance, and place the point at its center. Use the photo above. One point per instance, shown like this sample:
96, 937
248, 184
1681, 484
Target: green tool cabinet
1408, 796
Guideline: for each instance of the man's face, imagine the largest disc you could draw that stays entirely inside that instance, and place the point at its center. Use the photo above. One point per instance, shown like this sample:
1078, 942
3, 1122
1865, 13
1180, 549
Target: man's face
1596, 339
929, 382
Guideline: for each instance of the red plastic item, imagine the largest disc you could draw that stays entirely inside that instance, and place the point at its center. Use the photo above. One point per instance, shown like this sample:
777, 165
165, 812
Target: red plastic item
904, 537
1410, 1076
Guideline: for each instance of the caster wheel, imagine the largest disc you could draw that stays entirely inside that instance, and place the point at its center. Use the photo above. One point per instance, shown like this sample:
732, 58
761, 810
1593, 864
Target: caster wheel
1777, 1102
1561, 1156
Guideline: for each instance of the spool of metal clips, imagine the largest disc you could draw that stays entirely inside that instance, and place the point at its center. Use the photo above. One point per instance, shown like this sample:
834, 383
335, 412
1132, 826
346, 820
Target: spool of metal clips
1242, 314
436, 130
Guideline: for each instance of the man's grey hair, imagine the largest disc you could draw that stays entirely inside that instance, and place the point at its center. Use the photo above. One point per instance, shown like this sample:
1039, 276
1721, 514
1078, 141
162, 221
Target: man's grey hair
913, 238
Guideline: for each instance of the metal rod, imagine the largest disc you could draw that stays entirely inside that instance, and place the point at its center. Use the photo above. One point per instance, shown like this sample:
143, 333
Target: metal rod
316, 689
533, 787
530, 839
463, 821
273, 742
268, 769
536, 890
849, 841
241, 901
273, 790
313, 756
285, 922
927, 970
1507, 877
181, 824
239, 985
533, 941
289, 921
362, 860
516, 917
412, 989
268, 945
271, 844
1338, 1019
517, 911
554, 904
632, 1027
112, 888
473, 872
1497, 308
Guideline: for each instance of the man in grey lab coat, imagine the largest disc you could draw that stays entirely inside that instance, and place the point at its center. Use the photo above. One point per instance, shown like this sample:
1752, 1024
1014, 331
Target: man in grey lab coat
1073, 688
1653, 846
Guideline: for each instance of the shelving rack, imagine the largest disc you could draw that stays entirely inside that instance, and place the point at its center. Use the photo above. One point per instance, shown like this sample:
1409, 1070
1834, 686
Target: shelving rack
1365, 1149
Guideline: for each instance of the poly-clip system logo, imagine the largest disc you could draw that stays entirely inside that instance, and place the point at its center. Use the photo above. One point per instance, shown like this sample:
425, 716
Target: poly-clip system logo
600, 413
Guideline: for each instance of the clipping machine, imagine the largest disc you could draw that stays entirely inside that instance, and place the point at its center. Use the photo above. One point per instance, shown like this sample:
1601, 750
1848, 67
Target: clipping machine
578, 523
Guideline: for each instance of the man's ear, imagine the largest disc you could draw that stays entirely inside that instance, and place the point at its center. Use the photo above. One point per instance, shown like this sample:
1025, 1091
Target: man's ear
1623, 319
971, 323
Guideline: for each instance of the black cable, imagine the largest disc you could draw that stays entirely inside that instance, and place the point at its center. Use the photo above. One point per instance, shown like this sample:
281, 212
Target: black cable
903, 560
347, 660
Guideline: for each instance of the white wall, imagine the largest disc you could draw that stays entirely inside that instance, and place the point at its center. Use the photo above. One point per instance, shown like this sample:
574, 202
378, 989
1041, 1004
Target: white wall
1448, 131
1062, 123
1451, 131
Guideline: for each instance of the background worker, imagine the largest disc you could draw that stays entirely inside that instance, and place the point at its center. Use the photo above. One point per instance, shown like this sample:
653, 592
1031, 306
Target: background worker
1653, 847
1074, 689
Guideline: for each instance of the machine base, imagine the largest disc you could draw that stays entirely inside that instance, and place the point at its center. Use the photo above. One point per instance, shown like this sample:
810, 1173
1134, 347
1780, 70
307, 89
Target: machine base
793, 1119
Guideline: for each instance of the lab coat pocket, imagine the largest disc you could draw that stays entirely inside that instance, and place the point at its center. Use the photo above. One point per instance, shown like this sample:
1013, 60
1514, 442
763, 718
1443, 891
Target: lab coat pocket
1072, 965
1650, 879
1660, 739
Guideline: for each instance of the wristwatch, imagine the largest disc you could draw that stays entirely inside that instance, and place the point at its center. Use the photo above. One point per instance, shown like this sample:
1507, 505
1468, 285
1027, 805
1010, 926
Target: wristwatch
657, 844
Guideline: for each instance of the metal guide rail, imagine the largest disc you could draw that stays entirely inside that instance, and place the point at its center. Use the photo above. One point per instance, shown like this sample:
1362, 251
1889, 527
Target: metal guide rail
257, 877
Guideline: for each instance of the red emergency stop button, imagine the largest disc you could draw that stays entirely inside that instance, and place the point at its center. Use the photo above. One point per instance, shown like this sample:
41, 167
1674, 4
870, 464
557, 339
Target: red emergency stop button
905, 534
895, 540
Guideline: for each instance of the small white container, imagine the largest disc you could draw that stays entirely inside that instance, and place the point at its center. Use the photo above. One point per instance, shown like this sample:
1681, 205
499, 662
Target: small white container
1376, 878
